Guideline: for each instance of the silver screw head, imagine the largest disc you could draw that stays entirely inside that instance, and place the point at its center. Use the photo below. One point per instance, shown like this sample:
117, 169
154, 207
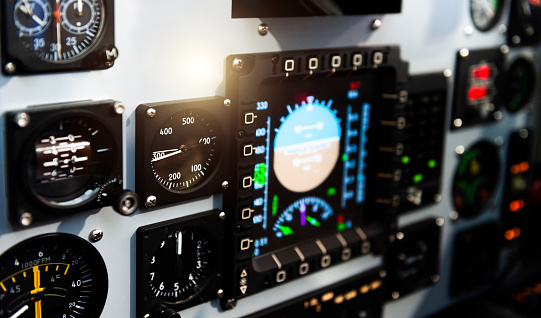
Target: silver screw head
151, 201
26, 219
221, 216
238, 63
95, 235
231, 303
119, 108
464, 52
225, 185
22, 119
10, 68
220, 293
263, 29
151, 112
376, 24
227, 102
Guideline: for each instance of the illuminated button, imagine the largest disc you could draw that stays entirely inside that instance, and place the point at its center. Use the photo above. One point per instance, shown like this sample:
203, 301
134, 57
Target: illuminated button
304, 268
281, 276
246, 213
336, 61
247, 182
245, 244
346, 254
289, 65
249, 118
377, 58
481, 72
248, 150
243, 289
313, 63
325, 260
357, 60
477, 93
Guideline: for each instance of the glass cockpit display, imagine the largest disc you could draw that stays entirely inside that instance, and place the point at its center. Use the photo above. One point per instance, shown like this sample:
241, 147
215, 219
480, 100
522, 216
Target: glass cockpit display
309, 172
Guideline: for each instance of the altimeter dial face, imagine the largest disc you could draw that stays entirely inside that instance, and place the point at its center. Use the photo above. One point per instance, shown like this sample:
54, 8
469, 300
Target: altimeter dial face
186, 150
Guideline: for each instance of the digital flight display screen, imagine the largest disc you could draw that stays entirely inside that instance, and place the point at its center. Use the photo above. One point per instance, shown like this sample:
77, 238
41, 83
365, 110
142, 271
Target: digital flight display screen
311, 148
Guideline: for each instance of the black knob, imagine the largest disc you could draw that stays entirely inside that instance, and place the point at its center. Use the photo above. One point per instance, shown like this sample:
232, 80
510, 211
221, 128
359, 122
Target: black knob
125, 202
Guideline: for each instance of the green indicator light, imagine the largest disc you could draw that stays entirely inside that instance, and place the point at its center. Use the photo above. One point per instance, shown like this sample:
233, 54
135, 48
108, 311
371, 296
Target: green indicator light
331, 191
418, 178
259, 174
345, 157
286, 230
431, 163
405, 159
274, 205
312, 221
340, 227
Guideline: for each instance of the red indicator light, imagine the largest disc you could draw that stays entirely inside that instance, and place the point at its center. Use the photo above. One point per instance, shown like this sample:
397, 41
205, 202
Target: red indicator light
481, 73
516, 205
536, 3
354, 85
477, 93
512, 234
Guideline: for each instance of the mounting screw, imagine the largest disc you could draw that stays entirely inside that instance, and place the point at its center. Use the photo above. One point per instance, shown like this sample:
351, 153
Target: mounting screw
504, 49
435, 278
221, 216
395, 295
96, 235
400, 236
382, 273
454, 215
376, 24
10, 68
119, 108
437, 197
151, 112
151, 201
457, 122
231, 303
238, 63
464, 52
468, 30
26, 219
22, 120
220, 293
502, 28
225, 185
227, 102
263, 29
440, 222
447, 73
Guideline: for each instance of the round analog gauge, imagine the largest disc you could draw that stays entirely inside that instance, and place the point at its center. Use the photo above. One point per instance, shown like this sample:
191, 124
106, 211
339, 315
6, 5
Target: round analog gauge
521, 81
59, 30
181, 266
306, 146
476, 178
69, 161
485, 13
186, 150
52, 275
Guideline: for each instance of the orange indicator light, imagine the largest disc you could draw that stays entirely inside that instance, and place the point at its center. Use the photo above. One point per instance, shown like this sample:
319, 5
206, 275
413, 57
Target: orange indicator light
512, 234
516, 205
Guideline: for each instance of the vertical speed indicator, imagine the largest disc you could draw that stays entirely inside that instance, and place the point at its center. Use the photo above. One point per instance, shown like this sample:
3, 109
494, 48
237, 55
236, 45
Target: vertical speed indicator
185, 150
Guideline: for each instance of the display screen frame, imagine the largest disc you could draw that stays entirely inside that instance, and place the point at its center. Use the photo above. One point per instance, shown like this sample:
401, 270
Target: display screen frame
304, 8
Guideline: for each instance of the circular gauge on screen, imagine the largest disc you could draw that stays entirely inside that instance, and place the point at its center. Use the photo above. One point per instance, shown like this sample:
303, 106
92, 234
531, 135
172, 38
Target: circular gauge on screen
306, 214
520, 84
53, 275
485, 13
186, 150
306, 145
476, 178
69, 161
